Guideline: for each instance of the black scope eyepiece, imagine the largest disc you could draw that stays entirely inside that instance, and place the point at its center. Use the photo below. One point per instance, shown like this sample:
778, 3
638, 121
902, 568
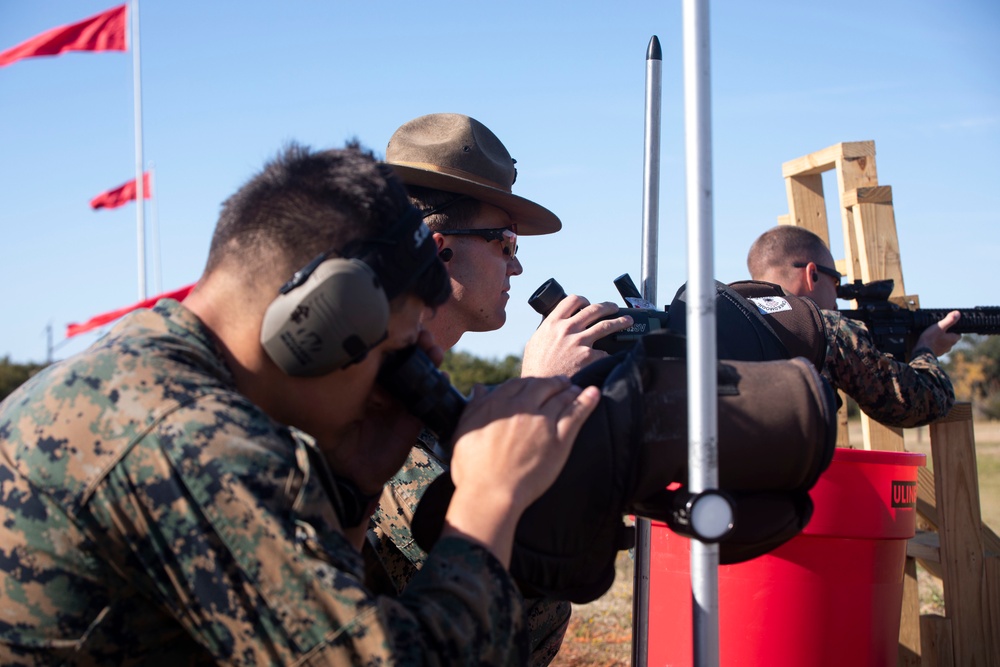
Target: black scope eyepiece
412, 378
546, 297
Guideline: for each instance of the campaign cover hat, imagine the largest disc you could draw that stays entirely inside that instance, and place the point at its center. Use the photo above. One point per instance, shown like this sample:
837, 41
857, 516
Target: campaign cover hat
456, 153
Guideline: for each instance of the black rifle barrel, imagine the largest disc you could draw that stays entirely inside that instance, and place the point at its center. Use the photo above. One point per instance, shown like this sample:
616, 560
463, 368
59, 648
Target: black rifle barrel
979, 320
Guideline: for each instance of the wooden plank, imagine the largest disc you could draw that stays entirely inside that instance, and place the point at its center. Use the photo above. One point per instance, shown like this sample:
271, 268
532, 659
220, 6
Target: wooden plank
936, 642
960, 412
880, 194
784, 219
960, 531
854, 171
881, 437
806, 205
843, 428
826, 159
878, 245
909, 619
852, 263
927, 496
993, 604
925, 545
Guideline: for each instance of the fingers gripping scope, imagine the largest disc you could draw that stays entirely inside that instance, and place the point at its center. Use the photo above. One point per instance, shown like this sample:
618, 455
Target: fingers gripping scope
645, 318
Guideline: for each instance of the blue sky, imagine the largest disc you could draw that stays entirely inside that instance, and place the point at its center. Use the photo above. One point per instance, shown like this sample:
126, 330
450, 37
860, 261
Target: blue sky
225, 85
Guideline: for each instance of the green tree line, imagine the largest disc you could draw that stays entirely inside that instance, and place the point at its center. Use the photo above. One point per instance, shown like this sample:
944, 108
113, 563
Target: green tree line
974, 368
14, 375
464, 369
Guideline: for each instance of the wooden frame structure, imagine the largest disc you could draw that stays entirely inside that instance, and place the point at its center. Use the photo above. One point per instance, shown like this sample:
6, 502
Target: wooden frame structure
956, 546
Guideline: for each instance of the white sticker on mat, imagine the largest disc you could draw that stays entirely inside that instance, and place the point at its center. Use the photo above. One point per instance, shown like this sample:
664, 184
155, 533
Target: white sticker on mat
771, 304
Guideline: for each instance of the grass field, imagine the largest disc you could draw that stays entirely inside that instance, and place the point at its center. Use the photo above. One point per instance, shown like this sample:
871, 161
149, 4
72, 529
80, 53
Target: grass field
600, 633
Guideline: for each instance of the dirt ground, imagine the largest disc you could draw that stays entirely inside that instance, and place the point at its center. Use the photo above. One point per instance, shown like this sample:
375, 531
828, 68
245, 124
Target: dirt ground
600, 633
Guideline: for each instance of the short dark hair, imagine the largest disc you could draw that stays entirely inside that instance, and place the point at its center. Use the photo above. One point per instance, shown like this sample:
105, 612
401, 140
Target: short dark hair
783, 245
304, 203
456, 211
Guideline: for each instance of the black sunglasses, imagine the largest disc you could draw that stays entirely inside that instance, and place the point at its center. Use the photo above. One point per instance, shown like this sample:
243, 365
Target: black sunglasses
833, 273
505, 235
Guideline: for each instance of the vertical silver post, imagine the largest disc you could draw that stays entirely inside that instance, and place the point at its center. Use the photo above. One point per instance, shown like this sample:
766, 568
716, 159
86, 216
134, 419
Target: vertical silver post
140, 200
651, 170
154, 224
702, 353
650, 224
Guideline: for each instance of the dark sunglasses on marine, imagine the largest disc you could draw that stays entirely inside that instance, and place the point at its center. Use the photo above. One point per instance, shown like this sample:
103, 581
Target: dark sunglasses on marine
507, 236
645, 318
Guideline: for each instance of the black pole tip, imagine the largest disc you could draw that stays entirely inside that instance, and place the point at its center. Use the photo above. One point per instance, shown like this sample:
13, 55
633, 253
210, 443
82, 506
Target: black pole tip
653, 52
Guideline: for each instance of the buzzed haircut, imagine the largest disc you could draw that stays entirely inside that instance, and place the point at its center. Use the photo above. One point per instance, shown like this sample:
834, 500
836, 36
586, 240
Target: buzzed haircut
304, 203
782, 246
453, 211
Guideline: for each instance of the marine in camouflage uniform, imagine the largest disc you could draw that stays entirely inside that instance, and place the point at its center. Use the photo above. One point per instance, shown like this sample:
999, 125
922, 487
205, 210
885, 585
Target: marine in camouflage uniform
887, 390
154, 515
460, 175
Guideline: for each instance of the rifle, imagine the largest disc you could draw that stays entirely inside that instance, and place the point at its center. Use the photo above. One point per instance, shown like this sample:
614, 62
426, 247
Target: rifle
896, 329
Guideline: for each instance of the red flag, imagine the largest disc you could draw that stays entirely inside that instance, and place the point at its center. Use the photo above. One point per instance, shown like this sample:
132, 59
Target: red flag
121, 195
103, 32
104, 318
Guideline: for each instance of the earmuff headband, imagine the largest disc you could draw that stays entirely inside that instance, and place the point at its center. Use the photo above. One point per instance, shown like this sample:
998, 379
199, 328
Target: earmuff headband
336, 308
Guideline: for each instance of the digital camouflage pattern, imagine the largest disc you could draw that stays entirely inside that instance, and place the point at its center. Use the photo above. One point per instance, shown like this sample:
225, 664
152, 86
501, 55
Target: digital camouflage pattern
152, 515
399, 557
887, 390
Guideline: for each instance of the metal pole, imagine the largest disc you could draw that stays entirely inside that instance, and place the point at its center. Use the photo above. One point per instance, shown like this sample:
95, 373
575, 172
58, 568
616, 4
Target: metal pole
650, 222
702, 353
154, 224
140, 201
651, 170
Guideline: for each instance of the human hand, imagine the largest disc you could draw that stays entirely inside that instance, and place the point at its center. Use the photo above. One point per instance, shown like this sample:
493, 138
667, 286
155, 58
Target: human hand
511, 444
937, 338
564, 341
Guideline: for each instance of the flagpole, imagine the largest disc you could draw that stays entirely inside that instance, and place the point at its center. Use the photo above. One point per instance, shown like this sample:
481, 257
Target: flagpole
154, 223
140, 201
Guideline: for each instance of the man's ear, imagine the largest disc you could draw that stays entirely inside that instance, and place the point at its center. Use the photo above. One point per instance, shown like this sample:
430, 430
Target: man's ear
812, 276
444, 253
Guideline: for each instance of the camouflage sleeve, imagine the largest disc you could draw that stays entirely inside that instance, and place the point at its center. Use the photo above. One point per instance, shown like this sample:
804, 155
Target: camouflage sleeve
547, 624
400, 557
238, 540
887, 390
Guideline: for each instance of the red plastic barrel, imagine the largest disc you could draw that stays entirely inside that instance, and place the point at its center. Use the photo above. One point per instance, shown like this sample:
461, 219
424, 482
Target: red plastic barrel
830, 596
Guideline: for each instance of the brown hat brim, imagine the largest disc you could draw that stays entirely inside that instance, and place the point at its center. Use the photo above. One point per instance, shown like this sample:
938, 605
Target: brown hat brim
531, 218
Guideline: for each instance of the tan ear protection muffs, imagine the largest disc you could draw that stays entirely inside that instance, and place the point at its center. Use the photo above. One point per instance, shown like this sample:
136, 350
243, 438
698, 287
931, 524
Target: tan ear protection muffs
336, 308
